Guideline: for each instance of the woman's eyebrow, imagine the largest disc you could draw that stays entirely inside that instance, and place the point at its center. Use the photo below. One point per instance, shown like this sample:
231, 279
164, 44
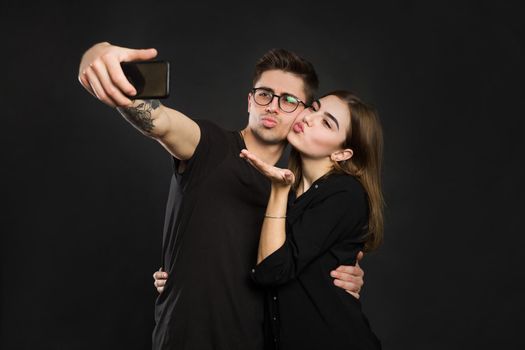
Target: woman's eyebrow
333, 118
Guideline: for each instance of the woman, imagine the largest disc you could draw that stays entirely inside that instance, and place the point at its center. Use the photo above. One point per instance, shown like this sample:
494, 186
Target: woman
319, 215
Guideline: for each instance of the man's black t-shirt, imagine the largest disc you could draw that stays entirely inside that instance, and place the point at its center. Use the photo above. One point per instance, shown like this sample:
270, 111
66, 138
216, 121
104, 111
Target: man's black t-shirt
213, 221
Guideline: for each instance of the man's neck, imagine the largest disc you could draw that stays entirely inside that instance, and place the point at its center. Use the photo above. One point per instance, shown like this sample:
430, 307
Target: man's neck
268, 152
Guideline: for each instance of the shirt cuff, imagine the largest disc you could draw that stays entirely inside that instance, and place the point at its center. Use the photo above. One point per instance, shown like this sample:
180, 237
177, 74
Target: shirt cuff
275, 268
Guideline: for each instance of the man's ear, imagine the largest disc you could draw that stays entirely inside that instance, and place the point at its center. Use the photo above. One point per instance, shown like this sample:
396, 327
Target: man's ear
341, 155
249, 101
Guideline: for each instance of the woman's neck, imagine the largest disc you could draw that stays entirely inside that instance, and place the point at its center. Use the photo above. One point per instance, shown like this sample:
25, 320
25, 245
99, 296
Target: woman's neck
312, 169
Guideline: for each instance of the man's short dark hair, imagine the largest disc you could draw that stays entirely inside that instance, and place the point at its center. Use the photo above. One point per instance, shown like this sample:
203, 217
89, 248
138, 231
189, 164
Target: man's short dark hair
290, 62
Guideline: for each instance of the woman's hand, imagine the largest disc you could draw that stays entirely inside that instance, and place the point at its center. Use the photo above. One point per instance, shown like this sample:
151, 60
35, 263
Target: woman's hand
278, 177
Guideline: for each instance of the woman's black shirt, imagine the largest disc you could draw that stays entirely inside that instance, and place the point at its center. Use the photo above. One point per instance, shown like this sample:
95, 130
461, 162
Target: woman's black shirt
325, 228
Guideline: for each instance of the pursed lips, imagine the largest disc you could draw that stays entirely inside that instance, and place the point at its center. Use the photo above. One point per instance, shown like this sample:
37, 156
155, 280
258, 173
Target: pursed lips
269, 121
298, 127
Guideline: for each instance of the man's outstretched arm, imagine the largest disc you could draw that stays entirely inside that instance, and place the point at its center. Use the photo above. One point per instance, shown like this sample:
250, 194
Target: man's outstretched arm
101, 75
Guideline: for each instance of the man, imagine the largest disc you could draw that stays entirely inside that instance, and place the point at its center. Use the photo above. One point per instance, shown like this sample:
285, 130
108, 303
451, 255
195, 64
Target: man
217, 200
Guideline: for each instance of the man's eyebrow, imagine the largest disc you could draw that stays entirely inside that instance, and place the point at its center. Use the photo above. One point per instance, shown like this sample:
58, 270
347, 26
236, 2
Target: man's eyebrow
266, 88
273, 91
333, 118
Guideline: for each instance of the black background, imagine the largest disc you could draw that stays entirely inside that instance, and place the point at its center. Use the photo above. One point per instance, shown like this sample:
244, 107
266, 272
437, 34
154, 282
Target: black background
83, 192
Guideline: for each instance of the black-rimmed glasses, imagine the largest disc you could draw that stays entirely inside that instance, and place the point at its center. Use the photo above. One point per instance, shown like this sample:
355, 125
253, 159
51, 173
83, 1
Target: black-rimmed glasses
287, 103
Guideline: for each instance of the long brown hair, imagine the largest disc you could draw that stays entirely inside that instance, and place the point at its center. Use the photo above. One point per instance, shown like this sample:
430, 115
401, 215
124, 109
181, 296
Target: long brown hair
365, 138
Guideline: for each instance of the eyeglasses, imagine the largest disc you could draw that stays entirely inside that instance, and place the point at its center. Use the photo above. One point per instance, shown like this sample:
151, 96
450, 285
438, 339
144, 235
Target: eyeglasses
287, 103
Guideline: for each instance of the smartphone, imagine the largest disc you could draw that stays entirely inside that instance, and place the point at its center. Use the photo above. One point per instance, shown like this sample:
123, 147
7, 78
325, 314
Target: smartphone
151, 79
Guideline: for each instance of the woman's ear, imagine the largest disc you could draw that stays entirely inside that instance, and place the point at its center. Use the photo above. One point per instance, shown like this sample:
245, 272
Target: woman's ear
341, 155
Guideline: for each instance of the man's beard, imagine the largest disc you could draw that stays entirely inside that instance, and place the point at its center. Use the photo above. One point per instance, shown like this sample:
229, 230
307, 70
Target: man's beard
267, 136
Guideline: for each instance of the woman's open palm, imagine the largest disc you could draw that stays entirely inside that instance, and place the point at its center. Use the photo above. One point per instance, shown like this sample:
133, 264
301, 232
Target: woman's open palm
278, 176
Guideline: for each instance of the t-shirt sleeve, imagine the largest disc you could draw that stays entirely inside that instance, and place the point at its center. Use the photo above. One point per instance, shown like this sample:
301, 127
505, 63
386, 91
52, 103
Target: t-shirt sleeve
334, 226
210, 151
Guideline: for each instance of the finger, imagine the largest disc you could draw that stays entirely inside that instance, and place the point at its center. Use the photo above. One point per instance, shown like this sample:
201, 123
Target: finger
160, 290
346, 269
275, 174
359, 271
253, 165
360, 256
355, 283
82, 78
343, 276
349, 280
138, 55
352, 270
107, 84
244, 154
262, 166
348, 286
254, 161
97, 88
117, 76
249, 155
289, 177
159, 275
159, 283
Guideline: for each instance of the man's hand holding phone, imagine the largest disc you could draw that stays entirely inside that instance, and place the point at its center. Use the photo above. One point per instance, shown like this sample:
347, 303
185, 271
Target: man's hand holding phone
101, 74
149, 78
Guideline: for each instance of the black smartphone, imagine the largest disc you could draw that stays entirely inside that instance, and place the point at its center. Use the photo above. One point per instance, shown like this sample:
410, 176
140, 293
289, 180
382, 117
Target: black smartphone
151, 79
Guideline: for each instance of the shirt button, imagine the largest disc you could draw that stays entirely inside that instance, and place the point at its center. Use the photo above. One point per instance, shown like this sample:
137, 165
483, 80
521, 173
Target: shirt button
275, 318
275, 340
274, 298
316, 186
253, 270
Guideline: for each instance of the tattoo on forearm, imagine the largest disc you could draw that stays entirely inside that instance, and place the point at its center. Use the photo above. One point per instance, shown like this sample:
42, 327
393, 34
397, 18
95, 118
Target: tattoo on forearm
140, 115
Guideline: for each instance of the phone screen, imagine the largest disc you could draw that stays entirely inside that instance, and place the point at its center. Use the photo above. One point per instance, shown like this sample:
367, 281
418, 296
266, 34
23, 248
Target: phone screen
150, 78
